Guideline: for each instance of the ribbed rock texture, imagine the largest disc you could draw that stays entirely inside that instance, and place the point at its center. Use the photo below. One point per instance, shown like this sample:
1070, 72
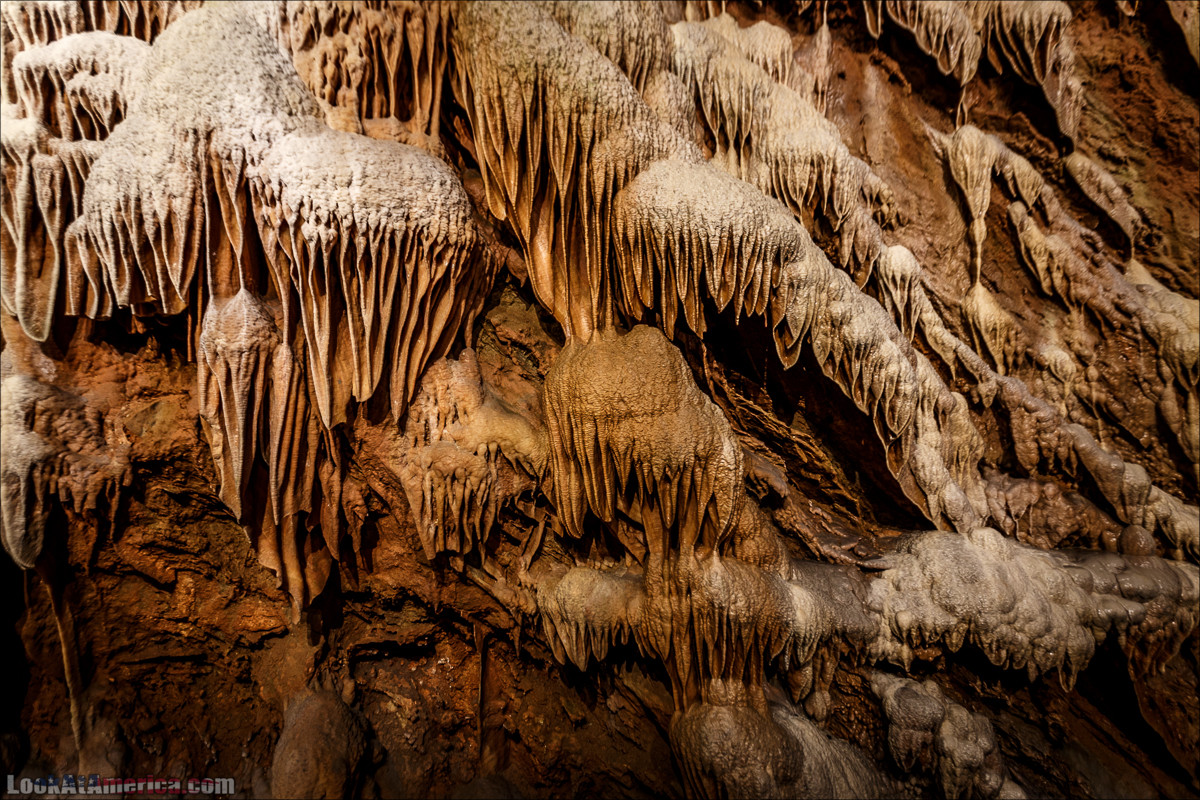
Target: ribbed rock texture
648, 399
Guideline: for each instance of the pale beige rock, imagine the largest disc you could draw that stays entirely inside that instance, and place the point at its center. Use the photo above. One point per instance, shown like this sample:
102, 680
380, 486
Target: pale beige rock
55, 445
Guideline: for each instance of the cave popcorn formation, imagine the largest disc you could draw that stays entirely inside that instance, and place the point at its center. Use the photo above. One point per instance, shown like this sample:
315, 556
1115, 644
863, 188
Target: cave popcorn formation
321, 195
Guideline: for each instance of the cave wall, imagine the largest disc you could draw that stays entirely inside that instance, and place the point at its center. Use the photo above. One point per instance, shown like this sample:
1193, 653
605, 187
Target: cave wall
434, 399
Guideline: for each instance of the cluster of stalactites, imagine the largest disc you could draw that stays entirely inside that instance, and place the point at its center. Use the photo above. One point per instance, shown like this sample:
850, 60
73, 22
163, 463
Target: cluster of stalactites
34, 23
558, 131
466, 454
685, 231
1027, 608
1068, 263
375, 68
629, 34
774, 138
1028, 36
975, 158
1043, 440
314, 249
79, 86
622, 443
72, 90
374, 242
720, 626
668, 234
945, 30
43, 190
768, 46
55, 445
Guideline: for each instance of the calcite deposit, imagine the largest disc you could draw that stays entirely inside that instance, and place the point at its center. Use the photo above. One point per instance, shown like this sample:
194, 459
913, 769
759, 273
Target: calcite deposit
449, 398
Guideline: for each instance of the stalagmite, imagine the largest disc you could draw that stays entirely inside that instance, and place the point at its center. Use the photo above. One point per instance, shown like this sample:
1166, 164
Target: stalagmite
734, 751
319, 749
926, 726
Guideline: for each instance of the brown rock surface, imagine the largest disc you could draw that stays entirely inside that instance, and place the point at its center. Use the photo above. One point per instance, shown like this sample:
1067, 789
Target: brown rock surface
466, 399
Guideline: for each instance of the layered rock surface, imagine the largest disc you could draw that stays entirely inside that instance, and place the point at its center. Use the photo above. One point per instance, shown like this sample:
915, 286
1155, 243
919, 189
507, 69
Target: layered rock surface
638, 399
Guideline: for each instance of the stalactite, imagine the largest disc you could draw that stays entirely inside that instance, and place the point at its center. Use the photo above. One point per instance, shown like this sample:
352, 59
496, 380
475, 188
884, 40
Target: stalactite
467, 455
1028, 36
585, 611
633, 35
689, 231
767, 46
1031, 38
148, 193
1043, 514
813, 73
30, 265
238, 338
189, 169
974, 157
994, 328
79, 86
55, 446
944, 30
40, 22
770, 136
1187, 17
613, 436
1092, 281
375, 68
558, 131
209, 145
1102, 189
376, 239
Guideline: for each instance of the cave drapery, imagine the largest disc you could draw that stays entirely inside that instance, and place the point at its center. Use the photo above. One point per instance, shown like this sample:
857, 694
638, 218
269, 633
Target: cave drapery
438, 398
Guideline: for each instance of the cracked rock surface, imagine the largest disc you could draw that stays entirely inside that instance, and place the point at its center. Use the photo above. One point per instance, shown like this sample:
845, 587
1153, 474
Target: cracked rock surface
446, 398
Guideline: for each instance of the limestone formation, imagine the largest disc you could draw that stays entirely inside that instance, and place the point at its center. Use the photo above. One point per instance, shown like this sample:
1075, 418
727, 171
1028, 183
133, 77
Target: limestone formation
645, 399
926, 726
456, 434
1026, 36
56, 446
